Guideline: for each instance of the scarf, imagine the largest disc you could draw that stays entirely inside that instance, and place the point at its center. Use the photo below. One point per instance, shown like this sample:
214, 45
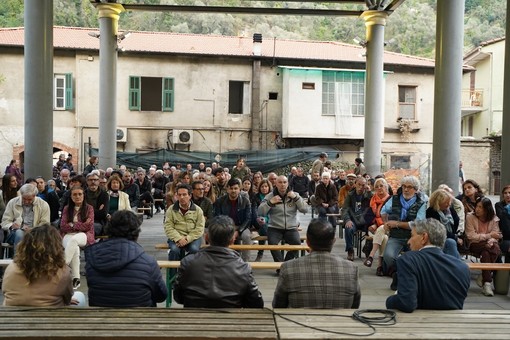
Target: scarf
376, 203
446, 219
113, 193
406, 205
507, 209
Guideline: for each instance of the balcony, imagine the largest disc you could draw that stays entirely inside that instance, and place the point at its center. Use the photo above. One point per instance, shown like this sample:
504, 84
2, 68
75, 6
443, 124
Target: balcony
472, 99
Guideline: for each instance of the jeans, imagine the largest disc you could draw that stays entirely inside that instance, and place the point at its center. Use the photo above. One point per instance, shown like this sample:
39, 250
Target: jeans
450, 248
262, 232
391, 252
329, 210
349, 236
176, 253
275, 236
14, 237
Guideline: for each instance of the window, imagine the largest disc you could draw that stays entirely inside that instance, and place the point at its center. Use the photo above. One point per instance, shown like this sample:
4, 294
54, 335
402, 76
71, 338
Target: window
400, 162
151, 94
343, 93
238, 97
407, 102
63, 91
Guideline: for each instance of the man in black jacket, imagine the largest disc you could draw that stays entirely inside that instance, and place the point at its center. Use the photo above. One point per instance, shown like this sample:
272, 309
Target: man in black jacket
98, 199
238, 208
215, 276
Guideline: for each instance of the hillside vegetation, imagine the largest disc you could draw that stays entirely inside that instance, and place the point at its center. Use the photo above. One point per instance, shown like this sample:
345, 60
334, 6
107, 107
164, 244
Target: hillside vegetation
410, 29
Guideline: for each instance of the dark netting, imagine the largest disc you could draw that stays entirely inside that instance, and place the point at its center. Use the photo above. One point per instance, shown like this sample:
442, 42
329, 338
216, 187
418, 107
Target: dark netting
263, 160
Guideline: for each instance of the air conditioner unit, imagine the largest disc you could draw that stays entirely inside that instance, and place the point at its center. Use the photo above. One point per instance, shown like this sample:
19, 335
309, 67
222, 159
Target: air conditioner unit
182, 136
121, 135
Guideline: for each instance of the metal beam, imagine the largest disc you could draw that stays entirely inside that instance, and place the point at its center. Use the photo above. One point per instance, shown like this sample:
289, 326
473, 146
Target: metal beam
241, 10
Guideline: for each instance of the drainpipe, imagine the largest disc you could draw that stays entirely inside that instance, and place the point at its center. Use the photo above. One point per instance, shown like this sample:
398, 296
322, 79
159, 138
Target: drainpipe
255, 93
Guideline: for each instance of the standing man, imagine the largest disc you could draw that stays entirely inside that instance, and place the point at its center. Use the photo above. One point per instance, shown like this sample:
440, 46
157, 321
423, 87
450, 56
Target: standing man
359, 169
326, 198
184, 225
282, 206
238, 208
462, 178
303, 282
24, 212
428, 278
98, 199
354, 209
318, 164
216, 277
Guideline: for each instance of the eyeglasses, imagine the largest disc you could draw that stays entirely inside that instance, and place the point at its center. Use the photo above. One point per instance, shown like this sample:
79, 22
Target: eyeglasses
407, 187
93, 179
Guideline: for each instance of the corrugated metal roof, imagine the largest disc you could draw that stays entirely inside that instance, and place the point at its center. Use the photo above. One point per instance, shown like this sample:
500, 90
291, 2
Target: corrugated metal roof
179, 43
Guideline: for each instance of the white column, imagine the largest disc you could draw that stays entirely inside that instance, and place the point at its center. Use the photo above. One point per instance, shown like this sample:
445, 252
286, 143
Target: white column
374, 93
108, 30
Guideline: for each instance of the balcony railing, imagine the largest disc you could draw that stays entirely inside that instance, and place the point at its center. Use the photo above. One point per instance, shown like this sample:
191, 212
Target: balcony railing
472, 98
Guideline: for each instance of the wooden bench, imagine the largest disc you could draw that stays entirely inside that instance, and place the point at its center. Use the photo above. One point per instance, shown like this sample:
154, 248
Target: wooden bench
167, 265
69, 323
500, 283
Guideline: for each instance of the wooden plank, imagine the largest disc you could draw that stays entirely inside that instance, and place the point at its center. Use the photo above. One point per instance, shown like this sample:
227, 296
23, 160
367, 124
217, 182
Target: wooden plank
488, 266
254, 265
136, 323
285, 247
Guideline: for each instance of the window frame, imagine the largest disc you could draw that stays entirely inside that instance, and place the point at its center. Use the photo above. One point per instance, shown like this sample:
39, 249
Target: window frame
339, 86
67, 92
406, 103
167, 93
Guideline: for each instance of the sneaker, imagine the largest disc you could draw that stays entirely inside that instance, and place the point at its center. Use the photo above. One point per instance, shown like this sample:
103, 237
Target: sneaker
350, 255
394, 281
76, 283
487, 289
259, 258
479, 281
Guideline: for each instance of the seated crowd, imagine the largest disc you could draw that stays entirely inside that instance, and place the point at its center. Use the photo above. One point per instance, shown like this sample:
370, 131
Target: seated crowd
418, 240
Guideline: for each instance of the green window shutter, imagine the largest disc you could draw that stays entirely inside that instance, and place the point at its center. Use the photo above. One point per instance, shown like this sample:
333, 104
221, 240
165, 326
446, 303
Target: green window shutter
168, 94
134, 93
69, 105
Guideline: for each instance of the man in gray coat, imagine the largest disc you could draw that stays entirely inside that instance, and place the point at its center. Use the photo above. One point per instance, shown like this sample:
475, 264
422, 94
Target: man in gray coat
320, 279
282, 206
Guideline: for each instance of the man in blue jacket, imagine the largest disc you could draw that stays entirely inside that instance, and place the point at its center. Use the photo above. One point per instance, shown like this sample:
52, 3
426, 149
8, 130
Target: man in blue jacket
119, 272
427, 277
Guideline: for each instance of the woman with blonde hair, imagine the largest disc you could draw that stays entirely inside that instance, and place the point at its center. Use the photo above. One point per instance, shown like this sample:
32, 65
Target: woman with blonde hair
38, 275
209, 191
441, 209
379, 237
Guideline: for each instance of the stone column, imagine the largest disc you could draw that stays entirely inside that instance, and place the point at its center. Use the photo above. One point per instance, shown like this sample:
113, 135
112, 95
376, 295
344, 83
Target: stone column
255, 93
448, 86
374, 93
108, 30
38, 96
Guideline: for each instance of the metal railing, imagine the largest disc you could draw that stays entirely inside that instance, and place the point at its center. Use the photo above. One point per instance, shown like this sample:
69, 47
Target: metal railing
472, 98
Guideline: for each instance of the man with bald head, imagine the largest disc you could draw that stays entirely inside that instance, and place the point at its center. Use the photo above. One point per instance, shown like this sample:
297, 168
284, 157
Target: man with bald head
282, 206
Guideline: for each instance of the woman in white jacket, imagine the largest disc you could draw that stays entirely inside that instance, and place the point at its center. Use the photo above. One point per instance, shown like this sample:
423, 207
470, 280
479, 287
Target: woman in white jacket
119, 200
